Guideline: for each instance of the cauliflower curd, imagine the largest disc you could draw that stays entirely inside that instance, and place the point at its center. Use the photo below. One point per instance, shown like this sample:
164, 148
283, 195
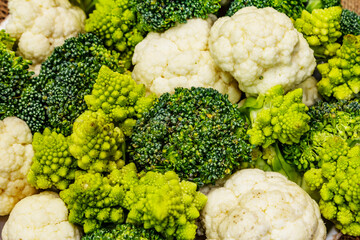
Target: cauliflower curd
254, 204
261, 48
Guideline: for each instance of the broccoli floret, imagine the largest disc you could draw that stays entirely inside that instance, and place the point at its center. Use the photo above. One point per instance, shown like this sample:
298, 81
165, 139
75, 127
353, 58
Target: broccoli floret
116, 24
52, 165
340, 75
6, 40
350, 23
120, 97
86, 5
321, 29
124, 232
96, 143
163, 202
292, 8
160, 15
320, 4
196, 132
276, 117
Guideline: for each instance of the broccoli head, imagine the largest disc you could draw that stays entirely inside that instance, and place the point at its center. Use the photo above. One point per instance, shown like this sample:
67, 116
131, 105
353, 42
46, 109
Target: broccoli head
120, 97
340, 75
96, 143
52, 165
321, 4
292, 8
350, 23
158, 16
123, 232
321, 29
116, 24
196, 132
6, 40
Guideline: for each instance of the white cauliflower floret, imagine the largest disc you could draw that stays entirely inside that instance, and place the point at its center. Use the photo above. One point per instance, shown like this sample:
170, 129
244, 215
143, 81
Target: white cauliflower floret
310, 92
42, 25
254, 204
16, 154
40, 217
261, 49
180, 57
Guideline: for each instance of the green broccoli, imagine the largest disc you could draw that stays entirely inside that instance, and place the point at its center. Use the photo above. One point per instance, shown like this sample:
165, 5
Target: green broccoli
116, 24
350, 23
6, 40
292, 8
52, 165
120, 97
321, 4
276, 117
96, 143
86, 5
321, 29
160, 15
123, 232
340, 75
196, 132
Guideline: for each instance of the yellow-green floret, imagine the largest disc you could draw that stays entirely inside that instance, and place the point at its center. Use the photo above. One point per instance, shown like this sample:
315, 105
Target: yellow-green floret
340, 75
96, 143
120, 97
321, 29
52, 164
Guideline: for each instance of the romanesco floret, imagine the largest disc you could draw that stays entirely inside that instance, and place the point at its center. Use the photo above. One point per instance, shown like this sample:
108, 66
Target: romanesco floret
277, 117
292, 8
340, 75
321, 29
124, 232
163, 202
120, 97
350, 23
160, 15
116, 24
196, 132
96, 143
53, 165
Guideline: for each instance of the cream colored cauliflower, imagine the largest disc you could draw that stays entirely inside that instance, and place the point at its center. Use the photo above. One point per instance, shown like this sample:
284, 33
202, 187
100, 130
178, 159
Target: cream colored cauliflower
310, 92
42, 216
261, 49
16, 154
42, 25
180, 57
259, 205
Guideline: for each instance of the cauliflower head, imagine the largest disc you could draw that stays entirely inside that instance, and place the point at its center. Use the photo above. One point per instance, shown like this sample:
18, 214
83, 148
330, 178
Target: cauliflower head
254, 204
42, 216
16, 154
42, 25
180, 57
261, 48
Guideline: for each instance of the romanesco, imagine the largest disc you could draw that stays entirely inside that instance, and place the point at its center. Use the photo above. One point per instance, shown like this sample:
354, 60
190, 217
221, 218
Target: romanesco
340, 75
53, 165
321, 29
96, 143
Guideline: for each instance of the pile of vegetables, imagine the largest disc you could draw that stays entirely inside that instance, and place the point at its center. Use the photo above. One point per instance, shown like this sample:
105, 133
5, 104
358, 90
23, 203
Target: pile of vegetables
179, 120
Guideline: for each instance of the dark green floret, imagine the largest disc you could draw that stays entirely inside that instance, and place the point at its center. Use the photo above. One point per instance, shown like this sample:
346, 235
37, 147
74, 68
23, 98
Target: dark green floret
195, 132
161, 15
350, 22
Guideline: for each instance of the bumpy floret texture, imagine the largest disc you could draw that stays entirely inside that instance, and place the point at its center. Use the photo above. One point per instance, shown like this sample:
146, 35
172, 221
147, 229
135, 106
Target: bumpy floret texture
16, 153
163, 202
6, 40
254, 204
261, 48
282, 118
124, 232
196, 132
52, 164
350, 22
292, 8
116, 24
321, 4
120, 97
180, 57
96, 143
338, 183
40, 26
157, 16
321, 29
340, 75
41, 216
